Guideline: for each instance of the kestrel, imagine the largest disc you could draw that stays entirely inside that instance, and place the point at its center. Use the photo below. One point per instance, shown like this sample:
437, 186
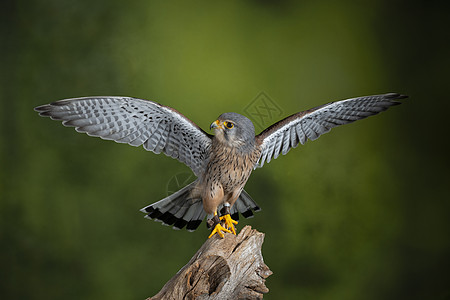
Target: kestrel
222, 162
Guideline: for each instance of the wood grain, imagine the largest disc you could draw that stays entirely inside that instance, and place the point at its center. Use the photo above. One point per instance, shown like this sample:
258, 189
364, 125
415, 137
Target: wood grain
229, 268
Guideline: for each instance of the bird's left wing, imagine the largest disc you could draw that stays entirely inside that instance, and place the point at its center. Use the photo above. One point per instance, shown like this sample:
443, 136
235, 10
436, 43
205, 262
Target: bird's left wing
310, 124
136, 122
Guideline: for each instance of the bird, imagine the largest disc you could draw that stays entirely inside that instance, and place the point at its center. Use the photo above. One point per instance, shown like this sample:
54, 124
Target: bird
222, 163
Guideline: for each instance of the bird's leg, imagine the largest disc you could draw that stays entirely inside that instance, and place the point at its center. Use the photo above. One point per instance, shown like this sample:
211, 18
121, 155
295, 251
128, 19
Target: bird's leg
229, 222
217, 227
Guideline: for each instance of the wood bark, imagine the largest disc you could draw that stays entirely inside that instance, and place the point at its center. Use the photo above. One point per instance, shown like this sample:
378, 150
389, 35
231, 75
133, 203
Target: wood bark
228, 268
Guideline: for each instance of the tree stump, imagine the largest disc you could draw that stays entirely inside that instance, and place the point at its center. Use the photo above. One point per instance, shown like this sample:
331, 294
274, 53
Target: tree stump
228, 268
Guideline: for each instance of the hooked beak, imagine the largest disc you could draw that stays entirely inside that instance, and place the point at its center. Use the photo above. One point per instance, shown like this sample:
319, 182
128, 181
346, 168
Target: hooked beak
216, 125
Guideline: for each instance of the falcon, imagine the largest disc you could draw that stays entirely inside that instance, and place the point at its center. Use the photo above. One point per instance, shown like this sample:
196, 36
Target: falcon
221, 162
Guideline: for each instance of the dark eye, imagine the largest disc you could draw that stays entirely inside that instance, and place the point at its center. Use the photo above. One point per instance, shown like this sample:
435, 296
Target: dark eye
228, 125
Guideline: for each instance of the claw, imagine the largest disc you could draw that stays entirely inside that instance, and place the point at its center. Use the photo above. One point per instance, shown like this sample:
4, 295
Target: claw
229, 222
218, 229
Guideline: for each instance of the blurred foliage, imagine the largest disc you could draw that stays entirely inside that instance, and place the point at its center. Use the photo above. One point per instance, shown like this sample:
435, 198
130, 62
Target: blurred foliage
361, 213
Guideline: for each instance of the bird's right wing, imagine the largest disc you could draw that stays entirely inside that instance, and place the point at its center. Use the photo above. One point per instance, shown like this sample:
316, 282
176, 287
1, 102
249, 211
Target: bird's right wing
310, 124
136, 122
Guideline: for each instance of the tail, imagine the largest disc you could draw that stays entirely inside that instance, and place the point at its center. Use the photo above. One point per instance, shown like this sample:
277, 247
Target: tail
244, 205
180, 210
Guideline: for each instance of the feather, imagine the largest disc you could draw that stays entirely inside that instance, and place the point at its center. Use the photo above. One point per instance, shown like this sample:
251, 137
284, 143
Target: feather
136, 122
312, 123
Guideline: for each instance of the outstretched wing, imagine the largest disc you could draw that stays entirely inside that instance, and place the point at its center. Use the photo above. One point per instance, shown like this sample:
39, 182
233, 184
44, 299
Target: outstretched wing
136, 122
310, 124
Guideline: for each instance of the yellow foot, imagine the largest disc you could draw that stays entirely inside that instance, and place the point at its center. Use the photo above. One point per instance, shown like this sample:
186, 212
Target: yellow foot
229, 222
218, 229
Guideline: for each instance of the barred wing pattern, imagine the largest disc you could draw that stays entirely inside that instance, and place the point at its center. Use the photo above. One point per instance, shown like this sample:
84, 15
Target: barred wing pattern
136, 122
310, 124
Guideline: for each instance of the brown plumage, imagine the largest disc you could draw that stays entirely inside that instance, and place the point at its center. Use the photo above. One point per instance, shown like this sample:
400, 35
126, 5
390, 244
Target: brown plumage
226, 174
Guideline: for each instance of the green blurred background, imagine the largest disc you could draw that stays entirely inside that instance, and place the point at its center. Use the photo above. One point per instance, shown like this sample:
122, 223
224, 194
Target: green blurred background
361, 213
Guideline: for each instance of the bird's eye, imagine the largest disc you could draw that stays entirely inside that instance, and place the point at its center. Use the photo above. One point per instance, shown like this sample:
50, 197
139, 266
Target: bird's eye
228, 125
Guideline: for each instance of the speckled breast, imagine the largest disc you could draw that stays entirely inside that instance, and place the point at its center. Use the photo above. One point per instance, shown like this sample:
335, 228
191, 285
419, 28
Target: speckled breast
231, 168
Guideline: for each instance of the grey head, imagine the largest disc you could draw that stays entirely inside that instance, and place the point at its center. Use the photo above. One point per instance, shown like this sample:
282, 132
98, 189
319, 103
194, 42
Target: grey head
235, 130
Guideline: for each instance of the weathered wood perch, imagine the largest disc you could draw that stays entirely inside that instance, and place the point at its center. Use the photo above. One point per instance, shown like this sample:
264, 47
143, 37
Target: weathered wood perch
229, 268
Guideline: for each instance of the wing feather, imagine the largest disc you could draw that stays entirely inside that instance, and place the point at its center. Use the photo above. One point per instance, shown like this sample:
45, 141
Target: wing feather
276, 150
311, 124
294, 139
300, 133
135, 122
286, 141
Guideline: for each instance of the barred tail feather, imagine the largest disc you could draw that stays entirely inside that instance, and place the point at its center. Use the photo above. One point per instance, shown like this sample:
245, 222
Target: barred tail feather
244, 205
178, 210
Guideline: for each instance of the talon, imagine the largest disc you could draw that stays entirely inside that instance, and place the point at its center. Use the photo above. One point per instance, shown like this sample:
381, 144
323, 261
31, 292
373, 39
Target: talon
229, 222
218, 229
